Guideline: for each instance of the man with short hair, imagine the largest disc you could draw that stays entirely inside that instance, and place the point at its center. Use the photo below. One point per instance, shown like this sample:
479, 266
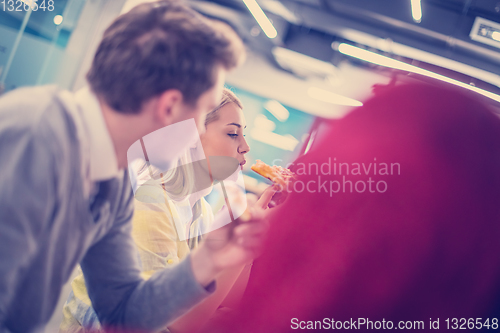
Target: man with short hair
65, 195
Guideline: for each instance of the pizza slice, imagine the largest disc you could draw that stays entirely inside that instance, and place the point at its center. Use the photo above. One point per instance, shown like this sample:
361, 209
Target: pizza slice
275, 173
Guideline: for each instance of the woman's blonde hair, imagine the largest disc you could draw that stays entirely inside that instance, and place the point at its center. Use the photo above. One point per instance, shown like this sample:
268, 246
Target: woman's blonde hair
178, 182
227, 97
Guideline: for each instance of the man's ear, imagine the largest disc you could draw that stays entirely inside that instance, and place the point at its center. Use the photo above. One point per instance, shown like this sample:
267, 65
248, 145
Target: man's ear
169, 107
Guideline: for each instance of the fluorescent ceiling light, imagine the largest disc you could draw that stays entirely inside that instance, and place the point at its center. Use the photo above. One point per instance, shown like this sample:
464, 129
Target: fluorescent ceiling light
330, 97
285, 142
277, 109
416, 10
495, 35
381, 60
261, 18
298, 62
413, 53
373, 57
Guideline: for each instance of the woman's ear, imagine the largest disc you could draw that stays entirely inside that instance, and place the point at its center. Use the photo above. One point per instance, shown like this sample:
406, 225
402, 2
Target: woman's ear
169, 107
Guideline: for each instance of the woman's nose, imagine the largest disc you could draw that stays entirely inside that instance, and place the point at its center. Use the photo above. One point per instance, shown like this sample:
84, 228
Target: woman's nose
244, 147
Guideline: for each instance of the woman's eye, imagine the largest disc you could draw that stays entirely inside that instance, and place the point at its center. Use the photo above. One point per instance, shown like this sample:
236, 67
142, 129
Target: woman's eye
232, 135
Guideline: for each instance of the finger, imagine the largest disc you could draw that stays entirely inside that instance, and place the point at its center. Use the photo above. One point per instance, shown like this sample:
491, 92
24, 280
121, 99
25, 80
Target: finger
257, 214
251, 243
251, 214
280, 197
251, 230
219, 235
266, 196
254, 247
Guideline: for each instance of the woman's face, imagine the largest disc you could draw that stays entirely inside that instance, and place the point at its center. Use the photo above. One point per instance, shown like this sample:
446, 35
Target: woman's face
224, 136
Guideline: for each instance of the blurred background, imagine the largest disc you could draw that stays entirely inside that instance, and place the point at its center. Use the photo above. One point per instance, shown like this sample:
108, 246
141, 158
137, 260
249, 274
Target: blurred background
309, 61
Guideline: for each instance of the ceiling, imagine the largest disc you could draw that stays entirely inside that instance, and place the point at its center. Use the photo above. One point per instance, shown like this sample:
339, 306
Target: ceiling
439, 43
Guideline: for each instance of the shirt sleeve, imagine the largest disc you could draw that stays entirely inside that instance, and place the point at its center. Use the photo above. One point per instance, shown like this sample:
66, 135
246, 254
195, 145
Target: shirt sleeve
120, 297
27, 200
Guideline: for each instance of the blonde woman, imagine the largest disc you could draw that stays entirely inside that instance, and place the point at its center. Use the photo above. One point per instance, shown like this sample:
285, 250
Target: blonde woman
166, 211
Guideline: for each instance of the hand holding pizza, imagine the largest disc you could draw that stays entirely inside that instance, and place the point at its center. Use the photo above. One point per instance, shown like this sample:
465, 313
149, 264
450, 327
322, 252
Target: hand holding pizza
281, 177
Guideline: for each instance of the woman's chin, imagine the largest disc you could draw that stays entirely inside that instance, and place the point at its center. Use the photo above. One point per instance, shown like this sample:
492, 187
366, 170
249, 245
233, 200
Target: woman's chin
235, 175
